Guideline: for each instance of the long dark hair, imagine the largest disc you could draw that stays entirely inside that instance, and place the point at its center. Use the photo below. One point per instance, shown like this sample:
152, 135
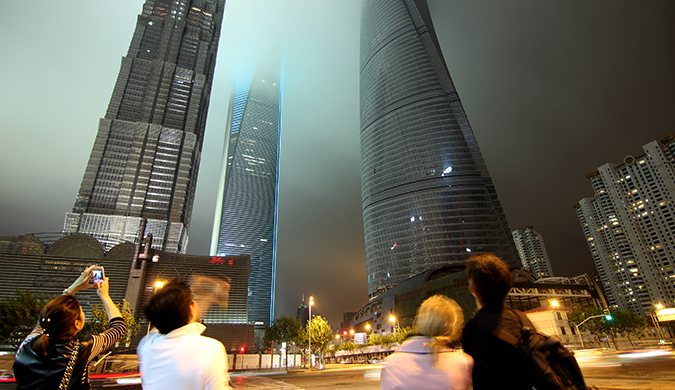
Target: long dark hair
57, 320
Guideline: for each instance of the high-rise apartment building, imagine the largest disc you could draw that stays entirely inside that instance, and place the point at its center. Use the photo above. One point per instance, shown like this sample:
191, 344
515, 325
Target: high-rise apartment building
428, 198
146, 155
246, 209
532, 252
629, 225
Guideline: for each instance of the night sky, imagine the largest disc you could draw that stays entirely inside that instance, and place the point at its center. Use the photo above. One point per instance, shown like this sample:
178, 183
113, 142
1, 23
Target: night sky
553, 90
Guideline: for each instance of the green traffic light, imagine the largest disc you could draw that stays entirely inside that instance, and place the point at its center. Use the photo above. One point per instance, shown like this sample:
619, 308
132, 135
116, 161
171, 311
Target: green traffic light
608, 317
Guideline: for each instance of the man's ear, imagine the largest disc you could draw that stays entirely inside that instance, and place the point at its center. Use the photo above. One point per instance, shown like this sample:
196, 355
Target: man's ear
194, 312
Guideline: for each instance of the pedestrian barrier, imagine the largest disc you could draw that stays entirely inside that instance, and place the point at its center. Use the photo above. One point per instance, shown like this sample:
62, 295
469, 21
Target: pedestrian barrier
256, 362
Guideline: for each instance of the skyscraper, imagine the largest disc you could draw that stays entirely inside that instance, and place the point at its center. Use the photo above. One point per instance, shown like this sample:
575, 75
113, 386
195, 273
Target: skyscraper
146, 155
246, 209
427, 195
630, 228
532, 252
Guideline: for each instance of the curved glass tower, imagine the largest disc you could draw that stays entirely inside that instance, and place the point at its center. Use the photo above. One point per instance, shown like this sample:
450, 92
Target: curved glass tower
428, 198
246, 209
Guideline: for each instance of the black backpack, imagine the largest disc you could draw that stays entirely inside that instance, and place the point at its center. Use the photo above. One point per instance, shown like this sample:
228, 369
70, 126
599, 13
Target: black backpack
549, 365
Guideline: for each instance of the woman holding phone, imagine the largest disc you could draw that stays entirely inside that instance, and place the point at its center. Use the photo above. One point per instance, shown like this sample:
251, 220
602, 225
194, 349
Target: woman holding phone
50, 357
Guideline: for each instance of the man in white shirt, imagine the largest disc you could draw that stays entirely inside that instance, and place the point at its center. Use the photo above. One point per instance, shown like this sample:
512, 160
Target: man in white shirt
174, 355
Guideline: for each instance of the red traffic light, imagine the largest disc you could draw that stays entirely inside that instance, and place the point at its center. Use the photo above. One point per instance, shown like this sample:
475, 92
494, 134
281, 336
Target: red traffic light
242, 349
345, 333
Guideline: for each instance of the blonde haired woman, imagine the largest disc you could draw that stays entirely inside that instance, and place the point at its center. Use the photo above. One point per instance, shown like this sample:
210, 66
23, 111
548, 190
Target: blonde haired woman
427, 360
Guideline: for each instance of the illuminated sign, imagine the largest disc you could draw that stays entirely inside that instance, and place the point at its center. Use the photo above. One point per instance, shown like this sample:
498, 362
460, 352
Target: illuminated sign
218, 260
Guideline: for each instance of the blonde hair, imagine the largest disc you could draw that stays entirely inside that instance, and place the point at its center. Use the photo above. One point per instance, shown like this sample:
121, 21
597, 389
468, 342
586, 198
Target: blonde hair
441, 319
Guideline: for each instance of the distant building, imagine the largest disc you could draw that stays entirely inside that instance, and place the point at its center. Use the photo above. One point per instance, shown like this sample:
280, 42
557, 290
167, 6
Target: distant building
26, 264
302, 314
402, 301
345, 325
533, 255
146, 155
427, 196
246, 209
630, 228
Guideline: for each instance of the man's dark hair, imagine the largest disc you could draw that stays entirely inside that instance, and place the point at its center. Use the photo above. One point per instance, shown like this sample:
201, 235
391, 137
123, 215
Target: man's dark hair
169, 308
491, 279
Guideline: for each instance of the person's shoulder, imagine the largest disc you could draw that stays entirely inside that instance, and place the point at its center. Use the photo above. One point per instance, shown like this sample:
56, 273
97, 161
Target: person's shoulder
456, 359
209, 342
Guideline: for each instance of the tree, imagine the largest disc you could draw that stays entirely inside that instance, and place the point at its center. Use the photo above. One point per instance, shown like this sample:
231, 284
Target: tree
321, 334
347, 346
400, 335
626, 323
98, 322
284, 329
19, 315
379, 339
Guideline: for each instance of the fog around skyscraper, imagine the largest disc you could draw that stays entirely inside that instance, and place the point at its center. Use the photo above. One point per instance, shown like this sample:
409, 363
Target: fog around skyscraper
246, 210
553, 90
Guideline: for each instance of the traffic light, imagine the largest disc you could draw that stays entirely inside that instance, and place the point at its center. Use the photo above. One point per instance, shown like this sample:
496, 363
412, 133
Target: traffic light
242, 349
608, 315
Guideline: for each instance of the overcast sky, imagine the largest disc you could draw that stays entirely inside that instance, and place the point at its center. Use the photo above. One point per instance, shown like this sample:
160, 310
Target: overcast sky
553, 90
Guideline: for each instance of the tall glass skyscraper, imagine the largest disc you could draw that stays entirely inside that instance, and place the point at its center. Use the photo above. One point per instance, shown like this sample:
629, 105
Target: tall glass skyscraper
428, 198
145, 158
246, 209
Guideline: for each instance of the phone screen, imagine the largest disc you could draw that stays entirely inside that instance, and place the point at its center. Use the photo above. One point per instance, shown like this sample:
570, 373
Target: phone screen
97, 275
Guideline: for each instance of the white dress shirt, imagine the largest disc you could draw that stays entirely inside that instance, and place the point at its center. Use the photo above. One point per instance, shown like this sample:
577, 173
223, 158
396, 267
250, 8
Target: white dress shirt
182, 359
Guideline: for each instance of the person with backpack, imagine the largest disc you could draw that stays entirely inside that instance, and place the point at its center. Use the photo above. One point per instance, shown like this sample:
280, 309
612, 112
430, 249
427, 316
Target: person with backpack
496, 363
508, 351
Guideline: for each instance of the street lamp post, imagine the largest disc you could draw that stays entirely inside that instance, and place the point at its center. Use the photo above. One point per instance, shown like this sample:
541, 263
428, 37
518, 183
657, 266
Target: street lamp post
655, 321
309, 333
582, 322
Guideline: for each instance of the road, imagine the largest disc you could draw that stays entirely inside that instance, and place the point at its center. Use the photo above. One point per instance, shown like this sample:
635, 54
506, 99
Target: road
640, 370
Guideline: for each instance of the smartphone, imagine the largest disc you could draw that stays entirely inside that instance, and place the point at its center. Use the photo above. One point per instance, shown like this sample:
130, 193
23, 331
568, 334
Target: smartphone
97, 275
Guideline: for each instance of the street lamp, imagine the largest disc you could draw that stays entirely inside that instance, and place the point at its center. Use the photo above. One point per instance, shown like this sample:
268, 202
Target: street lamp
309, 332
393, 319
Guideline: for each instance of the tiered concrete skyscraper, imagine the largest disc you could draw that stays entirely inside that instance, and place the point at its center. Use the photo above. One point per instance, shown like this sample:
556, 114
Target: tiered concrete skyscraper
246, 209
532, 252
146, 155
630, 228
428, 198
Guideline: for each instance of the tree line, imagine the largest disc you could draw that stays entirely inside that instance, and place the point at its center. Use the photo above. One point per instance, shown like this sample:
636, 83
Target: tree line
21, 312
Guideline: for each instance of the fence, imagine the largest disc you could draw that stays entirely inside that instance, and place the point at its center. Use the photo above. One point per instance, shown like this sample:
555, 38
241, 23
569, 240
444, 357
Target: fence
249, 362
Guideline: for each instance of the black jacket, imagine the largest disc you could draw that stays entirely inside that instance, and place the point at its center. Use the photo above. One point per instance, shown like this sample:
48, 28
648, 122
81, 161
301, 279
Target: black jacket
36, 373
496, 363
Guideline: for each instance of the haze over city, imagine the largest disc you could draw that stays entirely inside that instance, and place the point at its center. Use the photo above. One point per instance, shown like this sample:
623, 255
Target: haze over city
553, 90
